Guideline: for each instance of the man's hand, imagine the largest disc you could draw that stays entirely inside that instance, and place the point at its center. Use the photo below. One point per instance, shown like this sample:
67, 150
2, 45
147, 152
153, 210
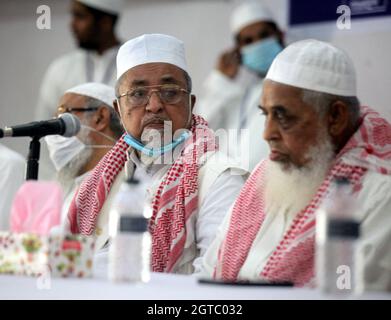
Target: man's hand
229, 63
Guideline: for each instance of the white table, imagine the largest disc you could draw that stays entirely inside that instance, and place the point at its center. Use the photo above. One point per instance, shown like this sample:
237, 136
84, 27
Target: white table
161, 287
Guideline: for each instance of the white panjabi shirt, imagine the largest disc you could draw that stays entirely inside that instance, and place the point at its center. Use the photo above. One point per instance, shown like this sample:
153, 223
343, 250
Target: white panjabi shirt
232, 104
218, 188
12, 168
70, 70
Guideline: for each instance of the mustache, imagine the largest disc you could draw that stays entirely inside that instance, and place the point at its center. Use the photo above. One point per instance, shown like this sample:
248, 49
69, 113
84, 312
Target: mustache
155, 119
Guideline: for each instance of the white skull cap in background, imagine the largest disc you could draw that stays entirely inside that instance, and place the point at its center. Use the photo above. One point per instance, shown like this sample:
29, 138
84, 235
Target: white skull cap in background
110, 6
248, 13
95, 90
315, 65
150, 48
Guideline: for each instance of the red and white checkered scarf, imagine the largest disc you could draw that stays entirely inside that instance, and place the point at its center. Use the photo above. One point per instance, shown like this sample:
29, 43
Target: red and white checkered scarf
293, 259
175, 201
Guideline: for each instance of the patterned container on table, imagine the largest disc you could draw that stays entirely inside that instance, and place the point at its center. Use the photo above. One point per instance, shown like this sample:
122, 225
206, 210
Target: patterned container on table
33, 255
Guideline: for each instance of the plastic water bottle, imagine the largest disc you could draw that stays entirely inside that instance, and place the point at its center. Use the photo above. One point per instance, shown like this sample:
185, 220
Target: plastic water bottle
337, 233
130, 249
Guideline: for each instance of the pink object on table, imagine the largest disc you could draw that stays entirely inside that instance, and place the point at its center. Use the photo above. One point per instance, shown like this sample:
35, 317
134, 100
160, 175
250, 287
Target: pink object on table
36, 207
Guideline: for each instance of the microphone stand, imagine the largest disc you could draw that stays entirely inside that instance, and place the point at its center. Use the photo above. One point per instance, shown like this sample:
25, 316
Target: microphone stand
33, 159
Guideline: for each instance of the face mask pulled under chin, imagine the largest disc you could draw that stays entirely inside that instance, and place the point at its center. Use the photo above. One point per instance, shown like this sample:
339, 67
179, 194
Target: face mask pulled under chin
62, 150
259, 55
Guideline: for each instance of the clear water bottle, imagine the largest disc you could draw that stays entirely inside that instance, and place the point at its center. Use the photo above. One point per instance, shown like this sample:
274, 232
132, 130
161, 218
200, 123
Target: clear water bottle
130, 249
338, 267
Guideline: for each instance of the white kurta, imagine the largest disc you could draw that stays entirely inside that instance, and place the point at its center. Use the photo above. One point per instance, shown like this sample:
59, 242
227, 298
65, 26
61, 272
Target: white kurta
375, 217
65, 72
219, 185
12, 168
72, 69
233, 105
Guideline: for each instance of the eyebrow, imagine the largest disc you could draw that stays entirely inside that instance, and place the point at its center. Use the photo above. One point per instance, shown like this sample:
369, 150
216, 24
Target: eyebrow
169, 79
164, 79
138, 83
278, 108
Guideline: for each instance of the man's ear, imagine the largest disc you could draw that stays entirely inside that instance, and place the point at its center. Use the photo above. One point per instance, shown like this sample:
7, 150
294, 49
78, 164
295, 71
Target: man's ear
116, 107
102, 119
193, 101
338, 119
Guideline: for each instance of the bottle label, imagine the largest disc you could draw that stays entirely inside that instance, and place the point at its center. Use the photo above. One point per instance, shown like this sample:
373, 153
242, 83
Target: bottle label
133, 224
343, 228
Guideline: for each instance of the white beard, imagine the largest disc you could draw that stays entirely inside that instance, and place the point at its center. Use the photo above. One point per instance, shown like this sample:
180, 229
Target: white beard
290, 191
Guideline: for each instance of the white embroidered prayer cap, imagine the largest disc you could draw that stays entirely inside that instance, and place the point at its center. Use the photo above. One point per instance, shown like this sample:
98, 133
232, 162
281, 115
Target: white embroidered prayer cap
95, 90
315, 65
249, 13
110, 6
150, 48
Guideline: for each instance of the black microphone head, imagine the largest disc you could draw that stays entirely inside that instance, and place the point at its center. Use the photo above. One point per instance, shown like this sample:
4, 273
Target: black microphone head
72, 124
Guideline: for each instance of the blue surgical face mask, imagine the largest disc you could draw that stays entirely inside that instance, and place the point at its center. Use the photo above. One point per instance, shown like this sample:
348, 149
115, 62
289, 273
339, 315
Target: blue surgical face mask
259, 55
133, 142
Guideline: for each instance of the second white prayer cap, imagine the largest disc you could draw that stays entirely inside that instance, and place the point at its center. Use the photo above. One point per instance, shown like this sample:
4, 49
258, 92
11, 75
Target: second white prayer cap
150, 48
248, 13
315, 65
110, 6
95, 90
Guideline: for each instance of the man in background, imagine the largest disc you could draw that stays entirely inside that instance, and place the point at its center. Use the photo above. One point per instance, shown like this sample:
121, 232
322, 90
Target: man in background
232, 90
93, 26
75, 157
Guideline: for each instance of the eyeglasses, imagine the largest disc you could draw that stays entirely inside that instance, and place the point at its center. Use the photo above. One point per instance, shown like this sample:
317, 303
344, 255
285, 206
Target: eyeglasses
168, 94
62, 109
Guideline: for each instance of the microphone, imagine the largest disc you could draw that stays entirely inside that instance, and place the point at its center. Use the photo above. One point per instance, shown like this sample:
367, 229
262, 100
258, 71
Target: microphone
66, 125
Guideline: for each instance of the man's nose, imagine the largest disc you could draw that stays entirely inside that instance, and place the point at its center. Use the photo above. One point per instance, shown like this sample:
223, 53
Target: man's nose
271, 131
154, 103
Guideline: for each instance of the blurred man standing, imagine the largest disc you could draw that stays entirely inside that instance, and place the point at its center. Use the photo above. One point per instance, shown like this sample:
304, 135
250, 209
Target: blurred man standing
93, 26
233, 89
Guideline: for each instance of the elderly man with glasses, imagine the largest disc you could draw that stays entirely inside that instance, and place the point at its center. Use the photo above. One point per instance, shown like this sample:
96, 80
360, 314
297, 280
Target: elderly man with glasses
75, 157
192, 183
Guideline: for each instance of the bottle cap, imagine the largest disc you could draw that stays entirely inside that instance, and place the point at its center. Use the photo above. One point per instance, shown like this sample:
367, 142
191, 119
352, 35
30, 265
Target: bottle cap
132, 180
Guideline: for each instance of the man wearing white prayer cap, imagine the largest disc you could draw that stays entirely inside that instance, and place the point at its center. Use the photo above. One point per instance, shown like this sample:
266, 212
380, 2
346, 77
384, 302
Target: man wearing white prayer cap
93, 24
75, 157
231, 92
317, 134
192, 184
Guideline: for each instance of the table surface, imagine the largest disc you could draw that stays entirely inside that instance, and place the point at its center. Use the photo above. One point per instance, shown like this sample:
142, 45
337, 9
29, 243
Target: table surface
161, 287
